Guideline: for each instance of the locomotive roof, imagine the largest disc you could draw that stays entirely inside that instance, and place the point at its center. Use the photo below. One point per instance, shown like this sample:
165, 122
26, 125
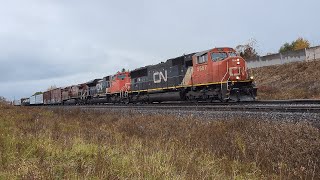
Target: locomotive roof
92, 82
202, 53
184, 55
218, 48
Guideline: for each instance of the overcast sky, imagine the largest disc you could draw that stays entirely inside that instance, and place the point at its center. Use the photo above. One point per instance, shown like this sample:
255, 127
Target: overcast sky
64, 42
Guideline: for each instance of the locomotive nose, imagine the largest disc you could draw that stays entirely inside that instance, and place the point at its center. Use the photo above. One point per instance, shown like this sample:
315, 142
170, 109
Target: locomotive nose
236, 65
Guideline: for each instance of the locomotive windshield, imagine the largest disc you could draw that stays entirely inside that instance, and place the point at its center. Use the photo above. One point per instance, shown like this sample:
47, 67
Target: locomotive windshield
232, 54
217, 56
122, 76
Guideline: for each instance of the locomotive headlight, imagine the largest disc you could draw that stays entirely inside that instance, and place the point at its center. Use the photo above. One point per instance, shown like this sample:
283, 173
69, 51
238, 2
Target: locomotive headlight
238, 77
238, 60
238, 63
251, 77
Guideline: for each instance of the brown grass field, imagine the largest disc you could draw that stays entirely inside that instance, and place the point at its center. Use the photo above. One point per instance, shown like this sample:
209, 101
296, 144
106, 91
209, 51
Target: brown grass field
36, 143
298, 80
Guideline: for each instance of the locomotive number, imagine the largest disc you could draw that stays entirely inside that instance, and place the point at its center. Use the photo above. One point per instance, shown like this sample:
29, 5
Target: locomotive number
202, 68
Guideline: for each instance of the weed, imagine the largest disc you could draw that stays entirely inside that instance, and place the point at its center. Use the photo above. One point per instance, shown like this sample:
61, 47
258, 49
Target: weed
38, 143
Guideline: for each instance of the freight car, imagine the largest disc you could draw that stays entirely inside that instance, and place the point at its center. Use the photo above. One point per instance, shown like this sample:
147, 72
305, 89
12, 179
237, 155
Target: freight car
36, 99
52, 97
47, 98
218, 74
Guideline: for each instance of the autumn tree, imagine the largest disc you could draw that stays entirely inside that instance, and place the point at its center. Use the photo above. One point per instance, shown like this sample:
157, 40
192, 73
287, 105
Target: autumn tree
286, 47
248, 50
298, 44
301, 43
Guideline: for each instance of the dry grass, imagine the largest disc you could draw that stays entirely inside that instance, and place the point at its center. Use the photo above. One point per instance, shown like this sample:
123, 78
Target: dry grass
41, 144
289, 81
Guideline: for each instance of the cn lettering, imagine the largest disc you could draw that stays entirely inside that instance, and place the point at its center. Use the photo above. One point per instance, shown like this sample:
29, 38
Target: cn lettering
159, 76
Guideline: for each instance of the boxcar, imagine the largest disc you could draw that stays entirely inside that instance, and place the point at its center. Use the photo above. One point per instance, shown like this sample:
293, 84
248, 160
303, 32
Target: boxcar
56, 96
39, 99
36, 99
32, 100
47, 97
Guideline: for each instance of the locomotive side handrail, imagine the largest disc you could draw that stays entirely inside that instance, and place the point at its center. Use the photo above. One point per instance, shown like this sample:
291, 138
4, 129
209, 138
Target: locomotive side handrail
225, 75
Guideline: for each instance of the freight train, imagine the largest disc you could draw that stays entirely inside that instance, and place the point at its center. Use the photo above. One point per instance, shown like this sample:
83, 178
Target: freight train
218, 74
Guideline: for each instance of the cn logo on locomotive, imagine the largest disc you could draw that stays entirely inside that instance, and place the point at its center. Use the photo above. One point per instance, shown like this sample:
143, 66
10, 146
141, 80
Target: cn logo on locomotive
159, 76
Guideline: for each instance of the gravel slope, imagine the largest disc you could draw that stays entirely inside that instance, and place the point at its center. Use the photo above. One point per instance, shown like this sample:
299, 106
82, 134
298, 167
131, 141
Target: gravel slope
298, 80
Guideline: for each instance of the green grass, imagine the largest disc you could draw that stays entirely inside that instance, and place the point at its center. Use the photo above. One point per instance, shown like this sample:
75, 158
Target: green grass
37, 143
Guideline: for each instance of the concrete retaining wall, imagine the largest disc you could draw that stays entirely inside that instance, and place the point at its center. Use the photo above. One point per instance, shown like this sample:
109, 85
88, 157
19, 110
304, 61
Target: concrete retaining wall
313, 53
309, 54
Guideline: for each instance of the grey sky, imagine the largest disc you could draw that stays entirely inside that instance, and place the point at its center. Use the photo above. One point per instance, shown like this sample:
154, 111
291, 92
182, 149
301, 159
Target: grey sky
64, 42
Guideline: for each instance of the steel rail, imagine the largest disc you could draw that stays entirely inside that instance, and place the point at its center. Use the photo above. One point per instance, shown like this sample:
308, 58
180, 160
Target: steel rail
188, 103
236, 107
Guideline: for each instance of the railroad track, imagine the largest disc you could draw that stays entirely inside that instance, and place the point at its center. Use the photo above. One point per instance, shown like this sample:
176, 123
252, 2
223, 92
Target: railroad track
300, 106
203, 103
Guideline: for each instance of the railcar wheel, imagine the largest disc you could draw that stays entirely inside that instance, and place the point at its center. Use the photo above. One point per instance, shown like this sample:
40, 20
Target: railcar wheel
224, 100
126, 101
209, 100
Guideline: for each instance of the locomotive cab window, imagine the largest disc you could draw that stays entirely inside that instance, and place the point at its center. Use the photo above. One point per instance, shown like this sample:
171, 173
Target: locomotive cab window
202, 59
113, 78
218, 56
121, 77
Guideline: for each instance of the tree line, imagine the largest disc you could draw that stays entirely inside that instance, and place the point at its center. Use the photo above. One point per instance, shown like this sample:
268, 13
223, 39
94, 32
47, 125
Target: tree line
248, 50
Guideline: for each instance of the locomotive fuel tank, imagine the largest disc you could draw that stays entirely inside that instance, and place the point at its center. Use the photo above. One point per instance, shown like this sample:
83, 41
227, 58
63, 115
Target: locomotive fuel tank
165, 96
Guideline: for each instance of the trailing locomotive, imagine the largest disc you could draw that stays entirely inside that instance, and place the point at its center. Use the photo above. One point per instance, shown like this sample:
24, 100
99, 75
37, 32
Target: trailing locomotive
217, 74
